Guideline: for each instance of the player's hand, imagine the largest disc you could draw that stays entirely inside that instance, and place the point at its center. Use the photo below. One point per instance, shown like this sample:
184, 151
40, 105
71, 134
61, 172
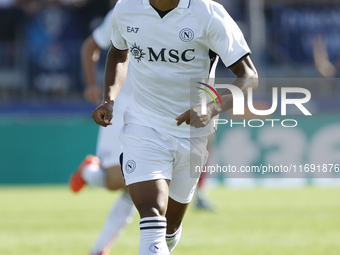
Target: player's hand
103, 114
93, 94
194, 117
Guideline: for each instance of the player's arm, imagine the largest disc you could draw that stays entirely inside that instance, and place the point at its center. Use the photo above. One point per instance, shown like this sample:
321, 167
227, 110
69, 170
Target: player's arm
115, 74
321, 58
226, 39
246, 77
90, 52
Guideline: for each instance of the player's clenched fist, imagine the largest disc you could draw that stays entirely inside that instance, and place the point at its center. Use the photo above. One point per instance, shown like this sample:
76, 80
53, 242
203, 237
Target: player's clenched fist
103, 114
195, 118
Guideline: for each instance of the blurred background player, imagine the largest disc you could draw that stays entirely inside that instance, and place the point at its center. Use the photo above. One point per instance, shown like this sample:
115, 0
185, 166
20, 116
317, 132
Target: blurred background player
321, 57
103, 170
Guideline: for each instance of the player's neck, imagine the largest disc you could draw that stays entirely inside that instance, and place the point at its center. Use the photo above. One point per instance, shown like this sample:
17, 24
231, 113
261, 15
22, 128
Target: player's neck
164, 5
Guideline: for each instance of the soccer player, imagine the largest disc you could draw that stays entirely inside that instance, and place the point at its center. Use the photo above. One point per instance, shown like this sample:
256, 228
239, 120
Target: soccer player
168, 42
104, 170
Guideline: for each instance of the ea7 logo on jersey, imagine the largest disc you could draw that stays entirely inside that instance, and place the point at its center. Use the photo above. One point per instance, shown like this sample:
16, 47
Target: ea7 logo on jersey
132, 29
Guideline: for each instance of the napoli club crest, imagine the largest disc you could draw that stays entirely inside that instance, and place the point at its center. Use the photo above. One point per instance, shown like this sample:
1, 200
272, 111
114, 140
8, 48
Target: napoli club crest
130, 166
186, 35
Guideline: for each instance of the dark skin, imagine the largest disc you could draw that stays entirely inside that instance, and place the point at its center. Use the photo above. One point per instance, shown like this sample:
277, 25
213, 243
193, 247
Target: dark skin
164, 5
117, 62
151, 198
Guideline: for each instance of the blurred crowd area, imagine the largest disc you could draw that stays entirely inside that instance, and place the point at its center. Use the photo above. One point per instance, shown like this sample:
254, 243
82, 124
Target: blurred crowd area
40, 44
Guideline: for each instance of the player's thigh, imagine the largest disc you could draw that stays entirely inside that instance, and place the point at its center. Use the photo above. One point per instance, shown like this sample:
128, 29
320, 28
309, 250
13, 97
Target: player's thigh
150, 197
191, 152
147, 165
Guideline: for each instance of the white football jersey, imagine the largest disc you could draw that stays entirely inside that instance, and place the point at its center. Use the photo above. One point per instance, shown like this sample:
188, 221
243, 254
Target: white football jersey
165, 53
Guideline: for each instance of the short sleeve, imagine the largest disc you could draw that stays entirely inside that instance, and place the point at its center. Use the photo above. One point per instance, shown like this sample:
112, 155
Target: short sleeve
117, 39
225, 38
102, 34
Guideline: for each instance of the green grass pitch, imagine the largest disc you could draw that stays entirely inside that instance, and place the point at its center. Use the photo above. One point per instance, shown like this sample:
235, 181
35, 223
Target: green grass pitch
41, 220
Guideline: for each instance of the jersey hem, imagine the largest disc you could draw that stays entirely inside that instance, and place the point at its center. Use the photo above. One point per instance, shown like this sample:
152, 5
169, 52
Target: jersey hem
179, 199
117, 48
150, 177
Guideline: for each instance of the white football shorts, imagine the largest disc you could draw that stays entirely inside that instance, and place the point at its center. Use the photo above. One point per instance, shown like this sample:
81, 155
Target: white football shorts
151, 155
